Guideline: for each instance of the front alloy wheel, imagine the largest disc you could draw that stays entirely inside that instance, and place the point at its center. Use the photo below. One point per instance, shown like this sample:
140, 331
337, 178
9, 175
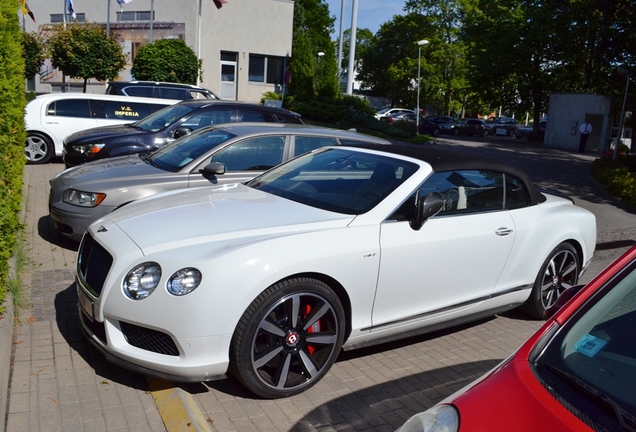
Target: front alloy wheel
288, 338
559, 272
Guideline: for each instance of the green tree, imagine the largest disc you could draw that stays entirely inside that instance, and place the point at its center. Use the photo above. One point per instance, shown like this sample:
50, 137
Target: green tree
302, 68
33, 53
327, 81
168, 60
84, 51
364, 37
12, 134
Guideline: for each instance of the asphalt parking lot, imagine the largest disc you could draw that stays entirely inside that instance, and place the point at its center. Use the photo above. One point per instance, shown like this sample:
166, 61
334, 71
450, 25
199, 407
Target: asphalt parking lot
61, 383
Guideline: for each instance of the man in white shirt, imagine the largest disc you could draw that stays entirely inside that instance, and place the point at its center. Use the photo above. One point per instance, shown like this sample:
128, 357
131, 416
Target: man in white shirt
586, 130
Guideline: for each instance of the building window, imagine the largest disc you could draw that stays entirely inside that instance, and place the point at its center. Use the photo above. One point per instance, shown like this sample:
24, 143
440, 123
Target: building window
58, 18
266, 69
134, 16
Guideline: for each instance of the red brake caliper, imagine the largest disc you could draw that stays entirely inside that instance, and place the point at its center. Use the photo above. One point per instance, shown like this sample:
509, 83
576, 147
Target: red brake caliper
315, 327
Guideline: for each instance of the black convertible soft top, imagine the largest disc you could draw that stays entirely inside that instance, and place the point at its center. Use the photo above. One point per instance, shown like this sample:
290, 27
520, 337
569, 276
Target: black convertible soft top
450, 160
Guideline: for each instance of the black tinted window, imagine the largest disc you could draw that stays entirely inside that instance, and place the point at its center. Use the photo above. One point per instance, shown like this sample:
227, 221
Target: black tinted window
252, 154
78, 108
516, 193
256, 116
303, 144
171, 93
141, 91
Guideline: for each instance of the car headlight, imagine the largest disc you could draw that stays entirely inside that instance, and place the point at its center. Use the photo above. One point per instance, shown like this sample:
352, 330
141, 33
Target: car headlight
82, 199
142, 280
89, 148
440, 418
184, 281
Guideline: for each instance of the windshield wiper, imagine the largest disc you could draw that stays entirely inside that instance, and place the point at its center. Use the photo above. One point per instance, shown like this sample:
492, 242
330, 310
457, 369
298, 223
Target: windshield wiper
622, 415
146, 158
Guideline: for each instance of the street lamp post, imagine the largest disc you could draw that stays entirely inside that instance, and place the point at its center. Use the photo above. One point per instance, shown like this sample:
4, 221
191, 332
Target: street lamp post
623, 71
419, 58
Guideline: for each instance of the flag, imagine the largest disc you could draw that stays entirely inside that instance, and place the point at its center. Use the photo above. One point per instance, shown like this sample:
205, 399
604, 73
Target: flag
219, 3
26, 10
121, 2
71, 8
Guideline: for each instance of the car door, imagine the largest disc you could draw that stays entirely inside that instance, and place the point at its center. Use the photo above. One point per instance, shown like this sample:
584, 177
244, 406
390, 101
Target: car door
66, 116
244, 160
454, 260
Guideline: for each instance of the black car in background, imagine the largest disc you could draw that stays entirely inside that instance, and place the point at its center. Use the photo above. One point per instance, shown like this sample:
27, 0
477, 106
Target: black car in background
471, 127
161, 90
425, 126
164, 126
528, 132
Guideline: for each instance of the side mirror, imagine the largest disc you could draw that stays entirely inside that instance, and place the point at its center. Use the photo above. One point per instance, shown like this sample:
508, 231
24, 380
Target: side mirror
562, 300
426, 208
182, 131
213, 169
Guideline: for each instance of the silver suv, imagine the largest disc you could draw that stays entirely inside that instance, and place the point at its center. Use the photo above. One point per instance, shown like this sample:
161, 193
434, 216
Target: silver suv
503, 125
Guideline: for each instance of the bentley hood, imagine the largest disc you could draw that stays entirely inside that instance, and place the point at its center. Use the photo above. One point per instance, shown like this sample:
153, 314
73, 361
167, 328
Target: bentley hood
222, 213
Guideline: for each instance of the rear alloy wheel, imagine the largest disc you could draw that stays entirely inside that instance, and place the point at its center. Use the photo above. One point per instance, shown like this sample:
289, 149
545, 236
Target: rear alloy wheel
484, 133
288, 338
38, 148
455, 131
559, 271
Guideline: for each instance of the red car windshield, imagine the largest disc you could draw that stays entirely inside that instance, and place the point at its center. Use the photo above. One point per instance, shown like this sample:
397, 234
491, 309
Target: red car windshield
590, 363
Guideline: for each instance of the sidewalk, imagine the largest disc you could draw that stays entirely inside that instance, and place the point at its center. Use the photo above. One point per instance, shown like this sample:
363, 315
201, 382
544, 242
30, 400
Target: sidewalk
58, 382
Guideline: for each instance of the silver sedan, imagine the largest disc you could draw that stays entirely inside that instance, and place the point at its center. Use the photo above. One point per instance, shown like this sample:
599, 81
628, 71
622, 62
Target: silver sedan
217, 155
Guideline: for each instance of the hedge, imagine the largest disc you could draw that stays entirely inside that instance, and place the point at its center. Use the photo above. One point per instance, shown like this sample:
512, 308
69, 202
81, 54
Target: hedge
12, 134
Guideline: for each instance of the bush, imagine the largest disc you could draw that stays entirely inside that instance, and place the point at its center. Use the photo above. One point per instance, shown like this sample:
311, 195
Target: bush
617, 176
12, 135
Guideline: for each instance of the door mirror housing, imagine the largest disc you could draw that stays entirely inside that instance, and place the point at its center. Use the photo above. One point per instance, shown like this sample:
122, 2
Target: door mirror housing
426, 208
182, 131
213, 169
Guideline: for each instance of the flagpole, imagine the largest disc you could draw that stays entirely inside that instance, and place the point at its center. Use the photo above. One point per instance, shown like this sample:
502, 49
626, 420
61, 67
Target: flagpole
152, 18
199, 41
352, 47
64, 18
108, 19
342, 12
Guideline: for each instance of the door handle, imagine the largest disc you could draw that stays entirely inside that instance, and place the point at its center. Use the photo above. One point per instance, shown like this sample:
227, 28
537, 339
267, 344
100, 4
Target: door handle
501, 232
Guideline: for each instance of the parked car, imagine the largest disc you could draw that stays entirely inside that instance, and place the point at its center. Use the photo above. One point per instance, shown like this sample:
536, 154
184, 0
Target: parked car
425, 126
165, 126
439, 119
577, 373
340, 247
159, 90
471, 127
528, 131
505, 125
83, 194
52, 117
388, 111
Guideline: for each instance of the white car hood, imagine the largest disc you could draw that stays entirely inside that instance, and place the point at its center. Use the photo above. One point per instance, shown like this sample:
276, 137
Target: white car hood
222, 213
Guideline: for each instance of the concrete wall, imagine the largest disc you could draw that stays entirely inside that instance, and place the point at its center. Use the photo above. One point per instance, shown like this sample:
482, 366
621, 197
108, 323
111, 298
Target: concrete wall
243, 27
567, 111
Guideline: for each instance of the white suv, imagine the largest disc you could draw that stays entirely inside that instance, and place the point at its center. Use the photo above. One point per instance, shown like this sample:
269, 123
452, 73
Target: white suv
51, 118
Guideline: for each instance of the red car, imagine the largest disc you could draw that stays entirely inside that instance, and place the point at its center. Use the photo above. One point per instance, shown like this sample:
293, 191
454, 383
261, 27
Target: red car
577, 373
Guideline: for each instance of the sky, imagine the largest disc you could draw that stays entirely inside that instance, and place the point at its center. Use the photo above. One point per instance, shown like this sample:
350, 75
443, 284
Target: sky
371, 13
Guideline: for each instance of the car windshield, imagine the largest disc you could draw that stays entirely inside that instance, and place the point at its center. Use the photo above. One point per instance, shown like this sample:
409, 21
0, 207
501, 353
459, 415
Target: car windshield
179, 153
164, 117
591, 361
336, 179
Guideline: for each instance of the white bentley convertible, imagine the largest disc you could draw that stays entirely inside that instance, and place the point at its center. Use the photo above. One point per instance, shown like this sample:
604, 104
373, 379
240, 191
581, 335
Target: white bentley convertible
339, 248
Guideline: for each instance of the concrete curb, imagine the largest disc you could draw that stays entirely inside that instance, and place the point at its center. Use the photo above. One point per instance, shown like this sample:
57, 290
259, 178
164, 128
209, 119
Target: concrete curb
6, 340
178, 409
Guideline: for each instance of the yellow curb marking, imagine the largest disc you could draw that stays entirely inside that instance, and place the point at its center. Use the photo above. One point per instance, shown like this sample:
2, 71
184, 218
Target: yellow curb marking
177, 408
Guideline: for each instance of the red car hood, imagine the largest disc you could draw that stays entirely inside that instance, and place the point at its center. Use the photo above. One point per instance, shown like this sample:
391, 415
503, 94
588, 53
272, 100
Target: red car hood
511, 399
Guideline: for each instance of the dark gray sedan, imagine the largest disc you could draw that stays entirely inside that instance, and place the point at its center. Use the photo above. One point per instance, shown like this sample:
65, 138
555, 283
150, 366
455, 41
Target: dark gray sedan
222, 154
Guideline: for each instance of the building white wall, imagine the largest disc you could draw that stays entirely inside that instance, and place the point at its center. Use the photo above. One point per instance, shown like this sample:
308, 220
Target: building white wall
245, 27
567, 111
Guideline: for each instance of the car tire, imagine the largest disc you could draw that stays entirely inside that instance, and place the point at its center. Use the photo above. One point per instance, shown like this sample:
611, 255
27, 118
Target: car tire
436, 133
484, 133
511, 133
273, 353
559, 271
38, 148
455, 131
